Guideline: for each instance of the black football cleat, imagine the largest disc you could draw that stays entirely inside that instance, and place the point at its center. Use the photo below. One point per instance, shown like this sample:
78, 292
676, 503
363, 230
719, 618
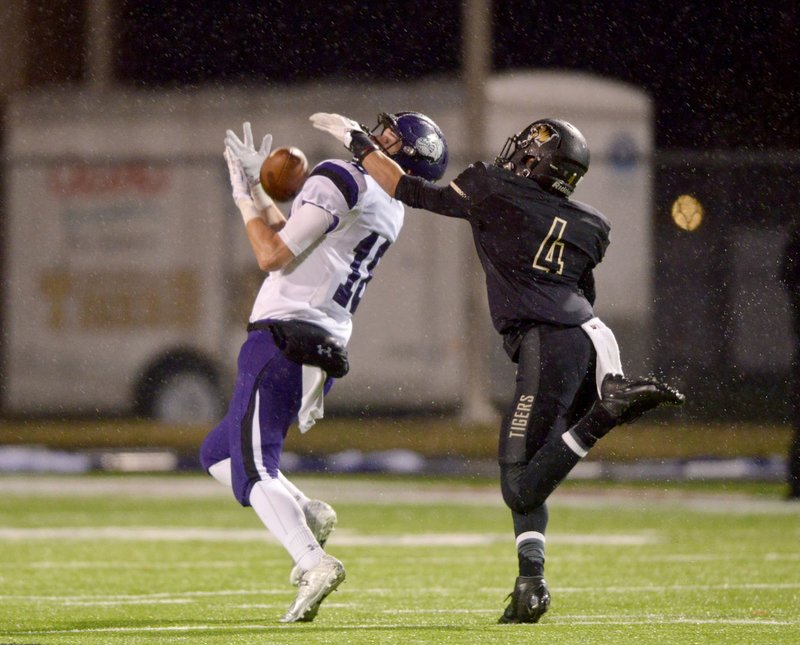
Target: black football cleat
529, 601
627, 400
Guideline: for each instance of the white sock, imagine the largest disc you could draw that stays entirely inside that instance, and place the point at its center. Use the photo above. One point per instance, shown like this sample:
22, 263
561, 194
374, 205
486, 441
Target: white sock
221, 471
284, 518
295, 492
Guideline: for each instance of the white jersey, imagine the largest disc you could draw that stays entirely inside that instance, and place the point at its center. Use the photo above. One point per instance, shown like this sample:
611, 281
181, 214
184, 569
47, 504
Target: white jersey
326, 281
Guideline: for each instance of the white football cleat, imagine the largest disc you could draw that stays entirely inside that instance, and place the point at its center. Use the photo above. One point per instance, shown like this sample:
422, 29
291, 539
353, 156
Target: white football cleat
321, 519
315, 585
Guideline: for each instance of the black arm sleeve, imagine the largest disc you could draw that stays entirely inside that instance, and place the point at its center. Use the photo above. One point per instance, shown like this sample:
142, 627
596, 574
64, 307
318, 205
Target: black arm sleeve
419, 193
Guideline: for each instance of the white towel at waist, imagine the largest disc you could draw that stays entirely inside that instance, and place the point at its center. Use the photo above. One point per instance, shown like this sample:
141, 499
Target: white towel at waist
311, 404
605, 344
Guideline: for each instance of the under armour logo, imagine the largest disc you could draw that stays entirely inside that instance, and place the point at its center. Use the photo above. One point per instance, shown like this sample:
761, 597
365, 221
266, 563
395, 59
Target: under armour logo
324, 351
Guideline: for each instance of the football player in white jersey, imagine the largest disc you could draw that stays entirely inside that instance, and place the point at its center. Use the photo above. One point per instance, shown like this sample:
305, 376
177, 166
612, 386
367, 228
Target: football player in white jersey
319, 262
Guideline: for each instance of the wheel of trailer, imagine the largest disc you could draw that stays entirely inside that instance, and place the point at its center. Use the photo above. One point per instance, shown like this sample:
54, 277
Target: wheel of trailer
183, 389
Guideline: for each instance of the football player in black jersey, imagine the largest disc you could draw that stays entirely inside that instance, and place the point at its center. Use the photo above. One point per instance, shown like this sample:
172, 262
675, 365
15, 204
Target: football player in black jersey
538, 249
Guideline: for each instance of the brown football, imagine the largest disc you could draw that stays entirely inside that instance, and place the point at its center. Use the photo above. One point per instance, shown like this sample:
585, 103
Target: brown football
283, 173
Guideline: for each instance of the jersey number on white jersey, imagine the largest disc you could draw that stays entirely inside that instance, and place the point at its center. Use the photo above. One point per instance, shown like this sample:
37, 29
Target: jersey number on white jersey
368, 253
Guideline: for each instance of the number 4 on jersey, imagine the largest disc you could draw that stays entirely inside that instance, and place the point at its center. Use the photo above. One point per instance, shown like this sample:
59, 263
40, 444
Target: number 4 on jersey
549, 257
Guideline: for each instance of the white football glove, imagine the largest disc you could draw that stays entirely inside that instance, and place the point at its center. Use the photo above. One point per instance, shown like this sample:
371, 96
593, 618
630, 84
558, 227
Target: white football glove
337, 125
240, 188
250, 158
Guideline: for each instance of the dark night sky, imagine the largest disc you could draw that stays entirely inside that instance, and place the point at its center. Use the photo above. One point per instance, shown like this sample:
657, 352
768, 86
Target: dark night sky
722, 74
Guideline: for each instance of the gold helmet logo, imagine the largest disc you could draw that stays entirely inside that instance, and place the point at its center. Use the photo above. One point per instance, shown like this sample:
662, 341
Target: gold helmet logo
541, 133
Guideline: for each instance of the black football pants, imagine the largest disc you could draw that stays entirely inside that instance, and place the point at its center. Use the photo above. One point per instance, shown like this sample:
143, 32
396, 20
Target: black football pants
555, 385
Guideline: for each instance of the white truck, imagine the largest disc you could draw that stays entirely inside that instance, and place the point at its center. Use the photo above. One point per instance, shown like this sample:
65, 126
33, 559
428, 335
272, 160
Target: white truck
113, 301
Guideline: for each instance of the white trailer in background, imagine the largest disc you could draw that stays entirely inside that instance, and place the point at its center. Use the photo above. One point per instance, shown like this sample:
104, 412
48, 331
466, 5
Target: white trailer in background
108, 289
128, 277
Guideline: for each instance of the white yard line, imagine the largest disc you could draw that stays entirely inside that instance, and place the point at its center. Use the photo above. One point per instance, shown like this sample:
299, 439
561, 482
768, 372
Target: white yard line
609, 619
127, 564
339, 489
455, 558
342, 537
154, 597
191, 596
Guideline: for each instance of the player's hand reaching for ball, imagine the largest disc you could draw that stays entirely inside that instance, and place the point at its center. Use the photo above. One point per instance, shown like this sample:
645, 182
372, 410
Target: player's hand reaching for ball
340, 127
239, 187
250, 158
350, 133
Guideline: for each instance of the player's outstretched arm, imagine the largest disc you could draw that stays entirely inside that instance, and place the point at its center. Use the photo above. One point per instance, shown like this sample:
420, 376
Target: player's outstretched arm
382, 169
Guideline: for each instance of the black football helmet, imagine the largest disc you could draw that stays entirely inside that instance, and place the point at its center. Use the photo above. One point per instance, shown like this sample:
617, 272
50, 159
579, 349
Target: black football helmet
424, 152
552, 152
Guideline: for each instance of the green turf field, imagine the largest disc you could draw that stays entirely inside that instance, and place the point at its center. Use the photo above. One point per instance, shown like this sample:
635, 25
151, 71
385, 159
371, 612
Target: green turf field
144, 559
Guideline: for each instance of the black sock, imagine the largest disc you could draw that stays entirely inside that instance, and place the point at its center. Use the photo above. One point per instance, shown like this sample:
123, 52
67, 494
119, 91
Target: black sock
531, 557
528, 567
594, 425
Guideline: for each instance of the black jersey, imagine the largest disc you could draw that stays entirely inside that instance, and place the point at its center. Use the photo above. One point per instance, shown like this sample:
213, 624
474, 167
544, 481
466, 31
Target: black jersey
537, 249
